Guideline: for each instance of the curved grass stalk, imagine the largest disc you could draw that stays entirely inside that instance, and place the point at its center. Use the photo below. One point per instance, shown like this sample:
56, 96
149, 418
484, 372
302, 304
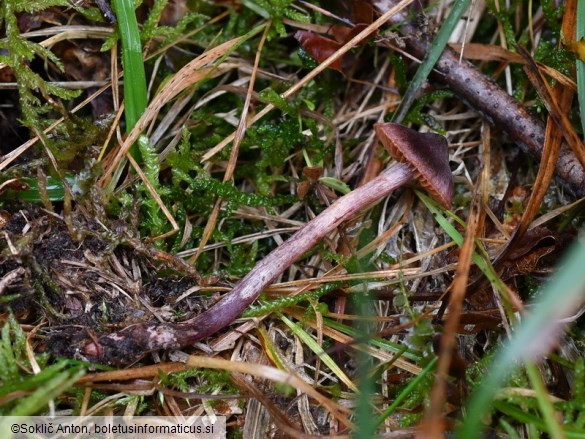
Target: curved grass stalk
535, 336
580, 34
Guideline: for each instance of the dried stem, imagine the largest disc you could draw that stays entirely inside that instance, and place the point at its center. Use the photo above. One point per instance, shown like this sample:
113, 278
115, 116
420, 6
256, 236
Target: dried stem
124, 346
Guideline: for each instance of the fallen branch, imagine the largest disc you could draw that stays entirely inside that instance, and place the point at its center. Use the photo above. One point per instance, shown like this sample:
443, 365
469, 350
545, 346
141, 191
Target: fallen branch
485, 96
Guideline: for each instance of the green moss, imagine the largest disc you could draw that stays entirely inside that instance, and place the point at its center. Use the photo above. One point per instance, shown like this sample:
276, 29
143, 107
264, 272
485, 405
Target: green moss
202, 380
417, 397
276, 9
548, 52
262, 307
574, 409
417, 114
151, 27
399, 71
306, 60
38, 389
19, 52
553, 13
505, 15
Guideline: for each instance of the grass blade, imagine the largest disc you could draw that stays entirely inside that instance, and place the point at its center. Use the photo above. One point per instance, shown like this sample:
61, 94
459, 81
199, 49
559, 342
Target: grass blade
435, 51
48, 391
133, 64
318, 350
406, 392
530, 340
580, 34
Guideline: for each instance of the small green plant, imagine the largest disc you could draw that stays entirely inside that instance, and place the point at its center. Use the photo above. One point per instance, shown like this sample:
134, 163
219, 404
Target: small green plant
574, 409
276, 9
528, 341
411, 394
19, 52
580, 34
22, 391
202, 380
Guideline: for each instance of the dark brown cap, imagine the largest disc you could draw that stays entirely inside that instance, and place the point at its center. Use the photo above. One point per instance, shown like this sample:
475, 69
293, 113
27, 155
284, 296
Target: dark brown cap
427, 154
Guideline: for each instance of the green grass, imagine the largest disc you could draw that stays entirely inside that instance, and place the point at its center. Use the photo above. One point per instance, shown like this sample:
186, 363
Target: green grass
135, 97
406, 392
559, 300
34, 390
435, 50
580, 35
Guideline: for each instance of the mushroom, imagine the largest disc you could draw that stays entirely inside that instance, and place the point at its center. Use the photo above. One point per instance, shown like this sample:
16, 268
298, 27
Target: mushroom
420, 156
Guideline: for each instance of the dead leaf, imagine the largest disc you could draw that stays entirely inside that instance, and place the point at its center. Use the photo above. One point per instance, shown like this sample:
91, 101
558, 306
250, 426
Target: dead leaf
4, 218
173, 12
362, 12
13, 184
313, 173
533, 238
340, 32
31, 21
343, 34
303, 188
320, 47
525, 257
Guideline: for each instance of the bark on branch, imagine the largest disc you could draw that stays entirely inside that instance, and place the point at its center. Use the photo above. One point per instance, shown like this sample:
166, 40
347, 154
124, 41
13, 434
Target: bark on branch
483, 95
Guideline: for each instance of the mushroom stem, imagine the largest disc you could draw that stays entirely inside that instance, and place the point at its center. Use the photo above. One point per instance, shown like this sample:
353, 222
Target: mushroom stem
282, 257
421, 156
124, 346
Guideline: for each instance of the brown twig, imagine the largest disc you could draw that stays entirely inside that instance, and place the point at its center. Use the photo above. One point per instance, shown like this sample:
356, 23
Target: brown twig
562, 96
485, 96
